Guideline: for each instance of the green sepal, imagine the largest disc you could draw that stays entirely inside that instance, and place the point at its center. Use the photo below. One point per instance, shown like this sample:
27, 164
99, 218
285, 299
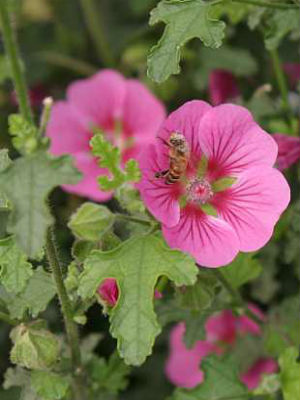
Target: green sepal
34, 347
202, 167
91, 221
223, 183
209, 209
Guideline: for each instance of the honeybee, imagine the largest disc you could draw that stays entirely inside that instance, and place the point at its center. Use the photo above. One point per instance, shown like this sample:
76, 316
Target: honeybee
178, 158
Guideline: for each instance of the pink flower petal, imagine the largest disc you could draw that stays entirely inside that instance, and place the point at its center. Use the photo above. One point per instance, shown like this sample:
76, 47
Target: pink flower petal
108, 291
233, 142
185, 120
183, 365
100, 97
67, 129
88, 185
253, 376
211, 241
293, 72
247, 325
160, 199
143, 113
253, 205
221, 327
222, 86
288, 150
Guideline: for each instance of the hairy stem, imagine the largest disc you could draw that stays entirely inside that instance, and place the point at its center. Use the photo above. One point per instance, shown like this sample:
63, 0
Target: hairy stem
267, 4
236, 297
6, 318
282, 85
71, 328
94, 24
12, 53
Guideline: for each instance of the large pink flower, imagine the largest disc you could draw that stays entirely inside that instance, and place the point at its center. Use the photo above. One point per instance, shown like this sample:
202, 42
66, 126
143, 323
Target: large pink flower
288, 150
183, 366
222, 86
124, 109
234, 146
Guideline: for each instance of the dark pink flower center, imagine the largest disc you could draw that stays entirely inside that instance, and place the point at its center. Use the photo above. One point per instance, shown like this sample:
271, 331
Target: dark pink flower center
198, 191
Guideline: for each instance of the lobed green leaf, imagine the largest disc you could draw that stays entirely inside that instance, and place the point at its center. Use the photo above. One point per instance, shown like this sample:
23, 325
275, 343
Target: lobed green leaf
290, 373
39, 290
14, 268
185, 20
27, 183
136, 265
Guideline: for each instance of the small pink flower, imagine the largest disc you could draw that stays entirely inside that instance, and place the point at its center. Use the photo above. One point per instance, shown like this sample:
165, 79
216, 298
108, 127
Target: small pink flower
246, 325
221, 328
222, 86
124, 109
293, 72
253, 376
183, 366
109, 292
36, 93
235, 147
288, 150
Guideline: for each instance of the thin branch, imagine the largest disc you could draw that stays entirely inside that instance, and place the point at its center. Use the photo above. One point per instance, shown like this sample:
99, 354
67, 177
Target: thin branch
71, 328
236, 297
12, 53
94, 22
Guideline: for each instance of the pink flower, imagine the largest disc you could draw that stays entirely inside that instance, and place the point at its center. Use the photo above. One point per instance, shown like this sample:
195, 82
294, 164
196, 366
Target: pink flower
234, 146
37, 94
288, 150
262, 366
222, 86
109, 291
183, 366
293, 72
221, 328
245, 324
124, 109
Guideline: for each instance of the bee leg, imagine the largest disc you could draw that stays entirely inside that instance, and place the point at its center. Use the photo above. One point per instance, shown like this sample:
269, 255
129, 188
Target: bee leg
161, 174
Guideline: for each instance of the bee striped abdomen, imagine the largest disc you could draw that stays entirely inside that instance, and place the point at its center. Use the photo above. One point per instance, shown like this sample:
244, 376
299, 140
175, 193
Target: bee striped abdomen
178, 158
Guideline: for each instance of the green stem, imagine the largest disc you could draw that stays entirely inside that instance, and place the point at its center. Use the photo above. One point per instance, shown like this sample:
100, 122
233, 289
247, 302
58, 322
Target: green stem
64, 61
236, 297
127, 217
94, 24
6, 318
12, 53
262, 3
282, 85
71, 328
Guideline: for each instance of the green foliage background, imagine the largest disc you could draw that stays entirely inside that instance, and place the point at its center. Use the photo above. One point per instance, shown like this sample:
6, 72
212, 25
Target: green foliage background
57, 46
